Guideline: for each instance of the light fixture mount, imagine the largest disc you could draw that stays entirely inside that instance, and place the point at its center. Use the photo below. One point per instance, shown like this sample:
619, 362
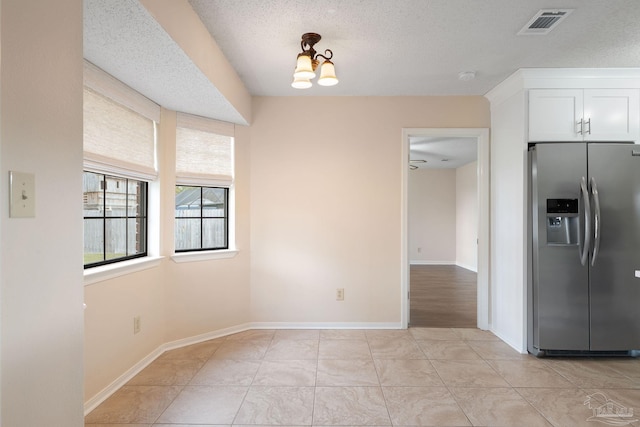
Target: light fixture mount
309, 40
307, 63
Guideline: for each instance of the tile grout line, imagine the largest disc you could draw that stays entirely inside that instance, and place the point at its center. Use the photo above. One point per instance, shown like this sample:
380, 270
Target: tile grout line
262, 359
384, 396
446, 386
315, 382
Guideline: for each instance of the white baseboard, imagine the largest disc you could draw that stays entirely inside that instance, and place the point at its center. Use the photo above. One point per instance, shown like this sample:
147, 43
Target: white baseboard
423, 262
515, 346
172, 345
326, 325
467, 267
105, 393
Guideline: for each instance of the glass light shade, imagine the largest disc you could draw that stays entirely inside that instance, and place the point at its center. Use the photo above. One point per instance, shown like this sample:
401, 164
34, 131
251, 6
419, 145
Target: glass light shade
327, 74
304, 69
300, 83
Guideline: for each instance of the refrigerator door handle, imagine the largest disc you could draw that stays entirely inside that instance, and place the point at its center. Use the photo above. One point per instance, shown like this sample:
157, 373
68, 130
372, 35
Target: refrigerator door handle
584, 251
597, 232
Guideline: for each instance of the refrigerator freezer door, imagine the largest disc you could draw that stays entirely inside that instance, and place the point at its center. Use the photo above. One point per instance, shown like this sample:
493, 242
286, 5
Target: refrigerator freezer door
560, 282
615, 291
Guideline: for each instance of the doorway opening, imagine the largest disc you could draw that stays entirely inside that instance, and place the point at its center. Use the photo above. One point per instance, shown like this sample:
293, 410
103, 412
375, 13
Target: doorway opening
470, 250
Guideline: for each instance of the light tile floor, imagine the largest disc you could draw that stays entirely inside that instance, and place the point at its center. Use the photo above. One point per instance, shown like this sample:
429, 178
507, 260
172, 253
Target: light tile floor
415, 377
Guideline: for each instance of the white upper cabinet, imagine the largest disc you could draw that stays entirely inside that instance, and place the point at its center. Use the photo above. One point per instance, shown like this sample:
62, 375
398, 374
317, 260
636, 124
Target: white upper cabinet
584, 115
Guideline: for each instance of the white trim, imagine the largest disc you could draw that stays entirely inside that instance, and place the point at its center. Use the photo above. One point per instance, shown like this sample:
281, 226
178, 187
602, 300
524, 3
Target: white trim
564, 78
423, 262
482, 135
220, 333
105, 393
467, 267
326, 325
522, 349
121, 268
404, 229
203, 255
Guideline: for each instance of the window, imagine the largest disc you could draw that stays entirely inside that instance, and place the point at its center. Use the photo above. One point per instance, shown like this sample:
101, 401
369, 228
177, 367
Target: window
202, 218
115, 219
204, 178
119, 143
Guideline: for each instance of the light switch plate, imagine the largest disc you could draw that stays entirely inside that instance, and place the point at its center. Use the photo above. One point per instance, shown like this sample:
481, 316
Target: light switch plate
22, 195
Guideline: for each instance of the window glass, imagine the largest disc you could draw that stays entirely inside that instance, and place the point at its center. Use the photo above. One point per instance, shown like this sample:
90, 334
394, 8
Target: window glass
115, 218
201, 218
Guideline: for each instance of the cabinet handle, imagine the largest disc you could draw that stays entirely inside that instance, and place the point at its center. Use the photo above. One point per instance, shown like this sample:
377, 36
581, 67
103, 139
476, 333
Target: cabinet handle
588, 122
581, 126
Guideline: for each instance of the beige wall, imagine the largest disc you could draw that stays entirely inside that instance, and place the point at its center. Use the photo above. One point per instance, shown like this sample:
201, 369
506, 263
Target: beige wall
41, 268
432, 216
174, 300
207, 296
325, 213
111, 348
325, 202
467, 216
323, 179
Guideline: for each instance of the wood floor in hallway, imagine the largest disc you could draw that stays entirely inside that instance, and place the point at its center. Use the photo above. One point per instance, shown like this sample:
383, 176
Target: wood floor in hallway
443, 296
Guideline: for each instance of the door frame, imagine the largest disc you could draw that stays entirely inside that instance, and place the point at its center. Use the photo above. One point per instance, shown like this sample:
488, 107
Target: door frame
483, 287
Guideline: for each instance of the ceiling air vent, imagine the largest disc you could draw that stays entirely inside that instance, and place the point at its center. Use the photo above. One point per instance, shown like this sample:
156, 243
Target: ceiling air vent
544, 21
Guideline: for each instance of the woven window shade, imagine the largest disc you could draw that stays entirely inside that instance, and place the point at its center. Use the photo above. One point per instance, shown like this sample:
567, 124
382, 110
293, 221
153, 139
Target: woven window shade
204, 151
119, 127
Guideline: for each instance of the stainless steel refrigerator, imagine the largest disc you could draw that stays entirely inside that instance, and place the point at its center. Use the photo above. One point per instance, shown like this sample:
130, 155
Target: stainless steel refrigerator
584, 265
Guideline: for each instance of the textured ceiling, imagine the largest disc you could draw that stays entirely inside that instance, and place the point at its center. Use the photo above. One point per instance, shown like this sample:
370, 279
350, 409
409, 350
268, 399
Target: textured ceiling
416, 47
381, 47
442, 152
122, 38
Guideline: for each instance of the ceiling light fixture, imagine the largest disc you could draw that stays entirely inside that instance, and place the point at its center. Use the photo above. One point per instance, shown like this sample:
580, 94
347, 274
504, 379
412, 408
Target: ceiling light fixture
466, 76
414, 167
307, 63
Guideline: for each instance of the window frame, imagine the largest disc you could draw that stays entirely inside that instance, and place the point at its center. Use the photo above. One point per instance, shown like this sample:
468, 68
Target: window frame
226, 217
142, 214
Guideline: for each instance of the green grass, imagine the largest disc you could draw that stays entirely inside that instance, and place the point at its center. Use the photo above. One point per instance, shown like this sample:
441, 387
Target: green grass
91, 258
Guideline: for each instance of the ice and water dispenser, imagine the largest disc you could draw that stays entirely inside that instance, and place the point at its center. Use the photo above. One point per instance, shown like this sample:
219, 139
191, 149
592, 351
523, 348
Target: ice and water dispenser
562, 221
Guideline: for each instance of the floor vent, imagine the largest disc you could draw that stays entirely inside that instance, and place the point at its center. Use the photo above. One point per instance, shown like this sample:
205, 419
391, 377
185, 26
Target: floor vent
544, 21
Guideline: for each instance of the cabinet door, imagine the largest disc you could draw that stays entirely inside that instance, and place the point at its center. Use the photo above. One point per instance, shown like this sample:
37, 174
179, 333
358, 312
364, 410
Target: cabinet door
612, 114
554, 113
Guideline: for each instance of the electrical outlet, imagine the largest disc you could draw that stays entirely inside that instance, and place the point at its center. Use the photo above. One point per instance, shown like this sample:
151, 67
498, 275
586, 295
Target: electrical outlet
340, 294
136, 324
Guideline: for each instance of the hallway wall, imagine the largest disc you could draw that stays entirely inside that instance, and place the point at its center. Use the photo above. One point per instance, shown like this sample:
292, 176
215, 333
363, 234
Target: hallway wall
432, 216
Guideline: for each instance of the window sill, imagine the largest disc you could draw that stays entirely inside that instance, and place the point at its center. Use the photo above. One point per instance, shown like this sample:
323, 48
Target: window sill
106, 272
204, 255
